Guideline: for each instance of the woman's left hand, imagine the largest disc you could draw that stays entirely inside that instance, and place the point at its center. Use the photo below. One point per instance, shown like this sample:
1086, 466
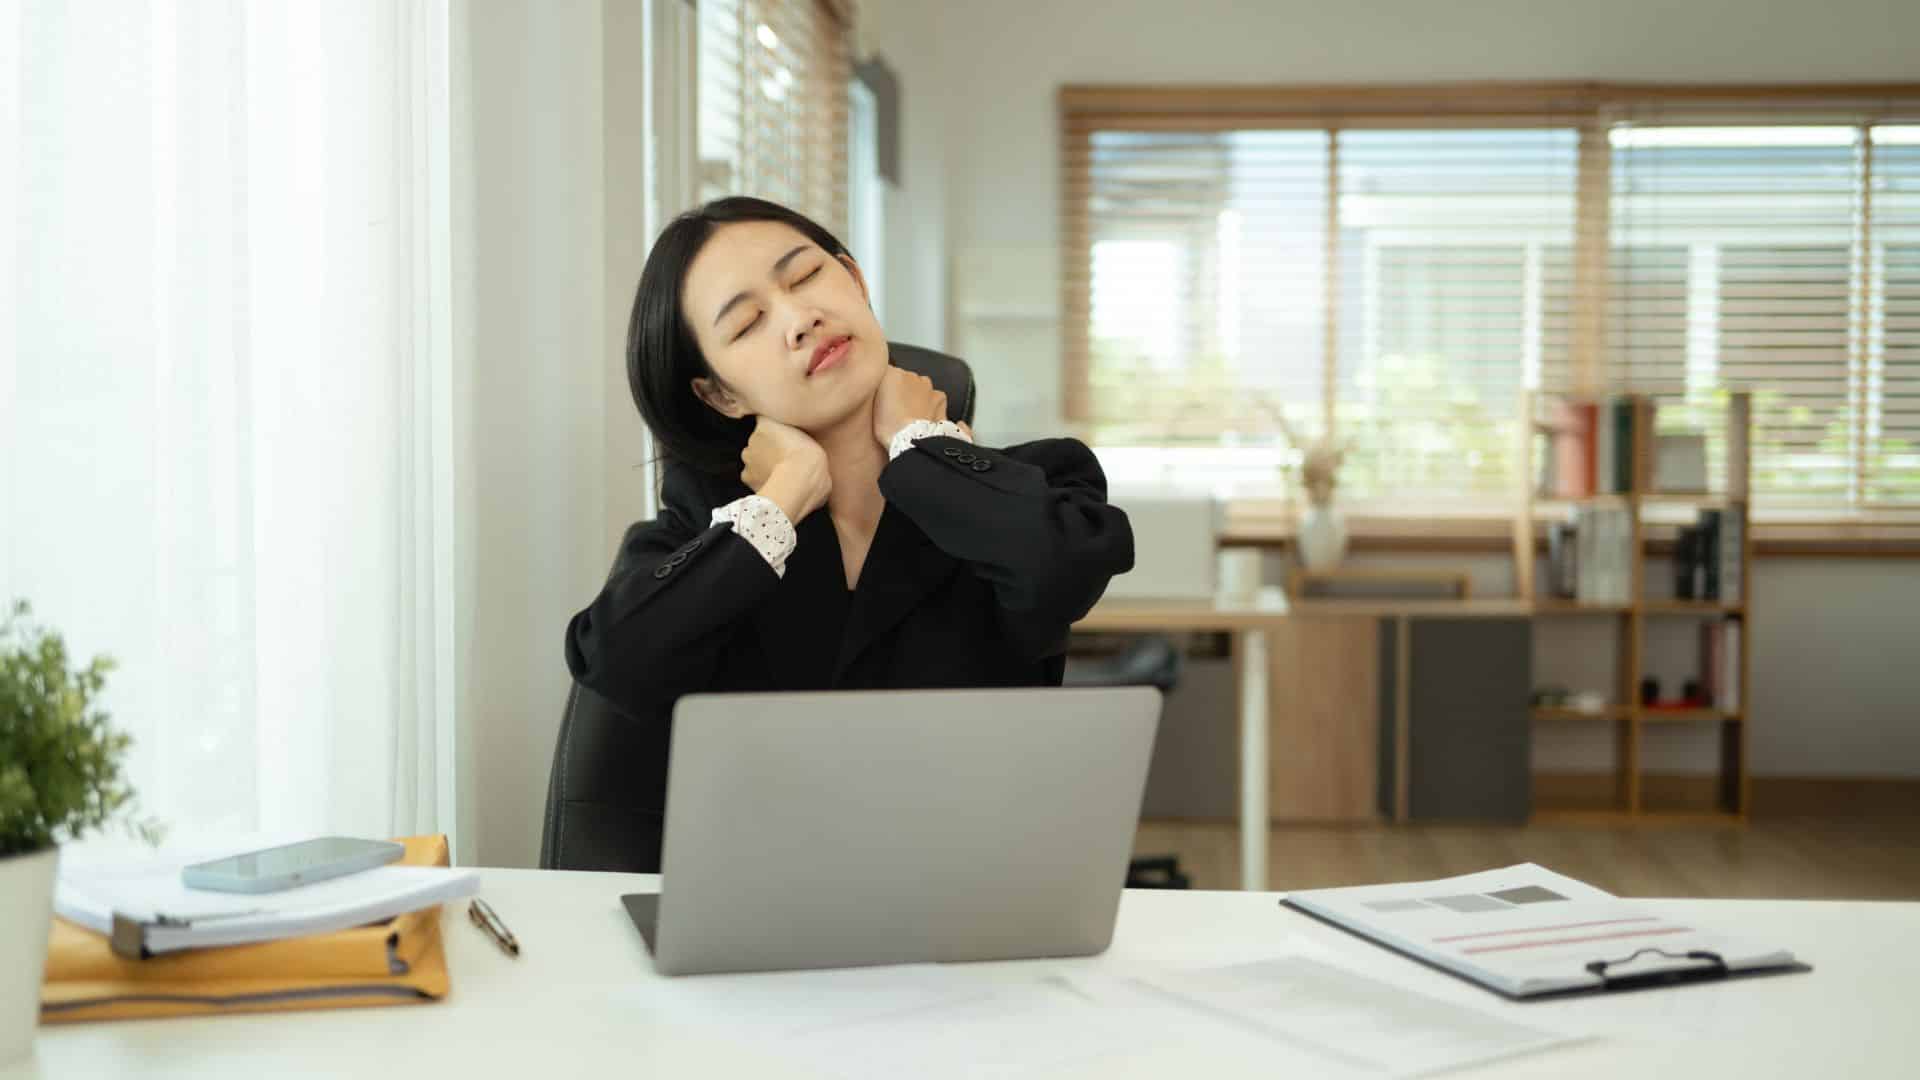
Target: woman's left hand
904, 397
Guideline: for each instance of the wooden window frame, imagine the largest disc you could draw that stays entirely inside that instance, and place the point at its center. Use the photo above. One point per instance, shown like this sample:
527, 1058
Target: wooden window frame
1590, 107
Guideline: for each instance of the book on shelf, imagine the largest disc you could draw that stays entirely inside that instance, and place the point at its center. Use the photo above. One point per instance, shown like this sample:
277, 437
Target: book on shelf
1708, 558
1733, 552
1720, 662
1562, 562
1709, 554
1730, 665
1686, 564
1570, 427
1594, 564
1603, 436
1624, 480
1737, 461
1589, 449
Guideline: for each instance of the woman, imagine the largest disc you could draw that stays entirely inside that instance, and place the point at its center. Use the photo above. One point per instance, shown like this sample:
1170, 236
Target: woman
823, 524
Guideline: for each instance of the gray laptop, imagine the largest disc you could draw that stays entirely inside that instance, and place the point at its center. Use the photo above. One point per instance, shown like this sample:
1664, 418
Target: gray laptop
816, 830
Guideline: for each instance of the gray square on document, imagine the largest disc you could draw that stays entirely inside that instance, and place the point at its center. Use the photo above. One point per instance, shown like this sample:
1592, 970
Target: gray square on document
1469, 903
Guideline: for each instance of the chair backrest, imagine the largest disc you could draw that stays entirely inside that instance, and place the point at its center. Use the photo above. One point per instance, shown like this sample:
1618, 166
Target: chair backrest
950, 375
593, 820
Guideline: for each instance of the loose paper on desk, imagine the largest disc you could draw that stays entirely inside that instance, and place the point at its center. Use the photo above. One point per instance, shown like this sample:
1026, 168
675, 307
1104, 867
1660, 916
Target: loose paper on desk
1526, 930
1283, 1016
148, 889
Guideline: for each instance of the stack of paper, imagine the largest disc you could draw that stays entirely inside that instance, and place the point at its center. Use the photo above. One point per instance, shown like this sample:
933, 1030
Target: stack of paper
173, 917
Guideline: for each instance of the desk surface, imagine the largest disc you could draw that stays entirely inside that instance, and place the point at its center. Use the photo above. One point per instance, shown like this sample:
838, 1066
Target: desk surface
583, 1000
1271, 605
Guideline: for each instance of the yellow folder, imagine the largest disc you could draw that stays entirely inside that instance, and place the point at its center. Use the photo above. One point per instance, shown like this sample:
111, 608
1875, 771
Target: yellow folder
389, 963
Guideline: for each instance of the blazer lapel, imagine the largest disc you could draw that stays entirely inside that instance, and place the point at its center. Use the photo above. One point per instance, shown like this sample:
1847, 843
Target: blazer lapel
903, 566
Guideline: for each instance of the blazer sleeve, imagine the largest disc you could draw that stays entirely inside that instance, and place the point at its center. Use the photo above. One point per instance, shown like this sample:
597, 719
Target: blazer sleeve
1032, 520
671, 605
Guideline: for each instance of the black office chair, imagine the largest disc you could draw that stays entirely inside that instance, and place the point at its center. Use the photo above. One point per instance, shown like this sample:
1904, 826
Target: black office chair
592, 822
1149, 660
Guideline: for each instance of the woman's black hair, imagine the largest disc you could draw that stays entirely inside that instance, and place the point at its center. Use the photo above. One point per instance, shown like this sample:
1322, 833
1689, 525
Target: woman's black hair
663, 356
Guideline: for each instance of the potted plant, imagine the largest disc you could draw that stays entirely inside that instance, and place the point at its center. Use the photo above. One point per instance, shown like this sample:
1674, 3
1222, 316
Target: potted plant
60, 777
1321, 536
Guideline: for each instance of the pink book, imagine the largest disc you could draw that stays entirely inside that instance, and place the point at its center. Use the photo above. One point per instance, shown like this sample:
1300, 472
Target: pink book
1573, 449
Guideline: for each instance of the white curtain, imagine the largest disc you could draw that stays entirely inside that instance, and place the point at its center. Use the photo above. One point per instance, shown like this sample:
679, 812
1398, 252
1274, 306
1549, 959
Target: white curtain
225, 395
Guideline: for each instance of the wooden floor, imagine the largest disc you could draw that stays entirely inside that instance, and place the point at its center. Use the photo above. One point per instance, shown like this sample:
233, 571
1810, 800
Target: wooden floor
1798, 858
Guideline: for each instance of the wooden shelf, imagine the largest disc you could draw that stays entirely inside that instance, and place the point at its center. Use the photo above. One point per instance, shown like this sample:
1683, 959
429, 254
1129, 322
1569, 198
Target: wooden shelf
1690, 607
1610, 501
1575, 607
1693, 498
1628, 794
1682, 716
1556, 712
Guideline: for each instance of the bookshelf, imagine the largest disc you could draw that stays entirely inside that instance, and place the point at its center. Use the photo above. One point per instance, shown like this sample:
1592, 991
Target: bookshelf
1622, 594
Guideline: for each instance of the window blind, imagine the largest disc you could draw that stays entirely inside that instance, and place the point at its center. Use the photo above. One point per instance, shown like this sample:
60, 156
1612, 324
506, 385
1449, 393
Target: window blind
1758, 224
773, 78
1891, 443
1397, 265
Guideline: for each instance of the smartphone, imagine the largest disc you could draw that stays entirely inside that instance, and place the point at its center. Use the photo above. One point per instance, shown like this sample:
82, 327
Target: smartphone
304, 863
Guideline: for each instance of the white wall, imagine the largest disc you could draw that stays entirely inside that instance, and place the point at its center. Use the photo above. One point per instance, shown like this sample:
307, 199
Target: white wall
531, 251
915, 273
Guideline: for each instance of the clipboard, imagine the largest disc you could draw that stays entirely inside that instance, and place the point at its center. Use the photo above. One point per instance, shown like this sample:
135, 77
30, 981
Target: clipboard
1709, 967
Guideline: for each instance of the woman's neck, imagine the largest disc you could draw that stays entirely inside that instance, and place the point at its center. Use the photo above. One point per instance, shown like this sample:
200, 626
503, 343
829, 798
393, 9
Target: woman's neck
854, 461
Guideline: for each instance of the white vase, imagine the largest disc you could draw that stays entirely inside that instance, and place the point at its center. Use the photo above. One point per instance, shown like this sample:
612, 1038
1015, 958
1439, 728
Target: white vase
1321, 538
26, 898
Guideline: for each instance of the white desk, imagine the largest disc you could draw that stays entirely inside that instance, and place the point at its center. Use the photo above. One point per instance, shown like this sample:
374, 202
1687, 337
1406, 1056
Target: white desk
583, 1000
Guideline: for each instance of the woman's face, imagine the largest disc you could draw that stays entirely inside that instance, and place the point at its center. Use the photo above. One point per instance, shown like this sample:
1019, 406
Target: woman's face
784, 325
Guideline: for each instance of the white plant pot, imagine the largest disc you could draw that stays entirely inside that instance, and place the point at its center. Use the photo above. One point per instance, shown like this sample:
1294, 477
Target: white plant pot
26, 898
1322, 538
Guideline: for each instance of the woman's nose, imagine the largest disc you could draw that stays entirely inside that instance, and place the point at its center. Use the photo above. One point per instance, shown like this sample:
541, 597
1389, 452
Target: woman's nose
801, 326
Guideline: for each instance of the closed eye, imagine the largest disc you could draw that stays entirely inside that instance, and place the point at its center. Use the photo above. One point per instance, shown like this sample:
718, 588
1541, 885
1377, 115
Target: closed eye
745, 330
811, 274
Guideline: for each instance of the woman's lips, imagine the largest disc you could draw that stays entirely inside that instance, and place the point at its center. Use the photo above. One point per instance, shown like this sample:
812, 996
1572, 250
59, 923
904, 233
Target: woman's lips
830, 354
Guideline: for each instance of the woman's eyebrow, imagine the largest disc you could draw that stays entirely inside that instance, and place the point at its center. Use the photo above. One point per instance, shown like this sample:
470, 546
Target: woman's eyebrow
778, 267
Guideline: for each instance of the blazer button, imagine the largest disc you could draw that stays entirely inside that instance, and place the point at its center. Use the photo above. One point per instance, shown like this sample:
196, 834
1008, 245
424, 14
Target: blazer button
982, 465
676, 558
692, 546
663, 571
951, 451
966, 459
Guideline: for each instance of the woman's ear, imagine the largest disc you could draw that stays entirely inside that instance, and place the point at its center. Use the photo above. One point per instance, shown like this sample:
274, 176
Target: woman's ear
718, 398
858, 278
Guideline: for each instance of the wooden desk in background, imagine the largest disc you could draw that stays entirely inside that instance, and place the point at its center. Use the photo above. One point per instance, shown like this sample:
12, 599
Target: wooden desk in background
1311, 681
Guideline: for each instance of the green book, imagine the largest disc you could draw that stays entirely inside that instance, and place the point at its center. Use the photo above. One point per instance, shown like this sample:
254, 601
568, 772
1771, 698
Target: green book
1623, 445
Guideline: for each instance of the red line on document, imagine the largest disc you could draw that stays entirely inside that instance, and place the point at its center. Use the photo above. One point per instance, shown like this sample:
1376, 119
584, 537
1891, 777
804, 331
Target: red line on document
1576, 940
1544, 929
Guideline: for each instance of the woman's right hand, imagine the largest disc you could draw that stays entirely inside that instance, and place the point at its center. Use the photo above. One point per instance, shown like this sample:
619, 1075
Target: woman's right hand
784, 464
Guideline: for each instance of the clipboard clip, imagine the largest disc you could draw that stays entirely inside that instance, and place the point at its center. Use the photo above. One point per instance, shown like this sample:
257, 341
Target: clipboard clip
1715, 968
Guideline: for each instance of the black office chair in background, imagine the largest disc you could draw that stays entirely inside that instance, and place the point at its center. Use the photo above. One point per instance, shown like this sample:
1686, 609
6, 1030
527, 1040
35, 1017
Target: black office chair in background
1148, 660
592, 822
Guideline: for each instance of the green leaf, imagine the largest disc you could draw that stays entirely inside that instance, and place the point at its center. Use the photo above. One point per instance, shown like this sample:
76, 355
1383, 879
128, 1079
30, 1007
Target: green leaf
62, 774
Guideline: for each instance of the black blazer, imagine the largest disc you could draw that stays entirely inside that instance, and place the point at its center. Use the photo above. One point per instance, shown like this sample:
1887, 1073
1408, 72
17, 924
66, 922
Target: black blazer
982, 561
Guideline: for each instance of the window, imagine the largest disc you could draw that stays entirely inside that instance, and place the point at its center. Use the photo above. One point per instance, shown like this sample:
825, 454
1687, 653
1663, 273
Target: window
1396, 267
773, 104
